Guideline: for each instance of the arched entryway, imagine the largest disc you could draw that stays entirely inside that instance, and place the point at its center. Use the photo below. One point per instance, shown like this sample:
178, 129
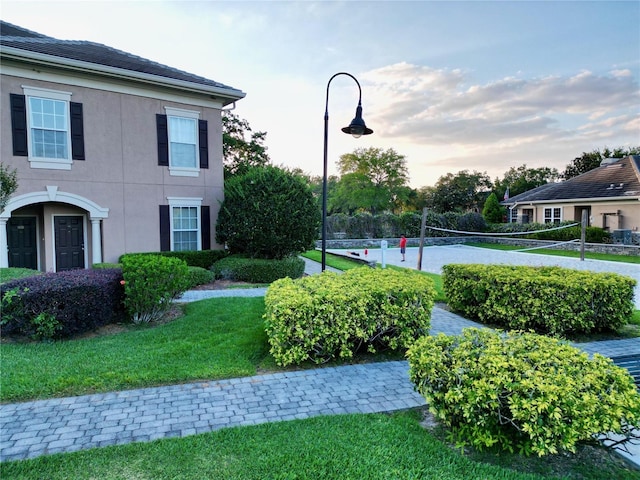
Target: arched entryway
52, 229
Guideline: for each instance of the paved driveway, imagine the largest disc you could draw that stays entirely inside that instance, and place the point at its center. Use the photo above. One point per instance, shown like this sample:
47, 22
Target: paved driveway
433, 258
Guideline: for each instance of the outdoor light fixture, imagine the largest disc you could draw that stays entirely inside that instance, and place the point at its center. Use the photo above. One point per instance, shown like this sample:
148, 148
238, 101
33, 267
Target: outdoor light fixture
356, 128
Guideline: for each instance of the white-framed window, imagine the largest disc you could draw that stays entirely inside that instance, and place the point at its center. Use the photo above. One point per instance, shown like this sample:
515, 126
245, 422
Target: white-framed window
182, 127
185, 221
49, 128
552, 215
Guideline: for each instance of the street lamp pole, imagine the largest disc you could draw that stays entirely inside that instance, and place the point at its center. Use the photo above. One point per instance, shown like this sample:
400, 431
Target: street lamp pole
356, 128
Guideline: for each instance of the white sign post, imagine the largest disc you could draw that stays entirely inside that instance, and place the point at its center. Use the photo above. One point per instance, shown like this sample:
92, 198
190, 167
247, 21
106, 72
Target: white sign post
383, 248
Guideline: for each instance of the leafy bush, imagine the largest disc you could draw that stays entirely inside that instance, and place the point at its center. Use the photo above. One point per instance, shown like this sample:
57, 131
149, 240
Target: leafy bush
199, 276
471, 222
257, 270
592, 234
327, 316
196, 258
151, 283
521, 391
553, 300
268, 213
62, 304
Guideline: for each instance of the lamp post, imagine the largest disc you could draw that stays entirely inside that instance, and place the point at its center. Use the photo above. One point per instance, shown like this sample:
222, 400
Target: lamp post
356, 128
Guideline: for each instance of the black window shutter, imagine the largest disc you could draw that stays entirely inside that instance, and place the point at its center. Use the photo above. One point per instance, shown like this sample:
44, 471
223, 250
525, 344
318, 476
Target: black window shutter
203, 141
205, 227
77, 131
163, 140
165, 229
19, 125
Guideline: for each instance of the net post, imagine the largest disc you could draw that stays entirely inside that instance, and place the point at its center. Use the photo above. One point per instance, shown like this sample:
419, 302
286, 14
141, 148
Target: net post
583, 233
423, 227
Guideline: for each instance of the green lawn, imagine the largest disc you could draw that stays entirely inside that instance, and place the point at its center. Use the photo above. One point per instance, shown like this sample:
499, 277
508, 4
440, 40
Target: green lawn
343, 447
564, 253
217, 338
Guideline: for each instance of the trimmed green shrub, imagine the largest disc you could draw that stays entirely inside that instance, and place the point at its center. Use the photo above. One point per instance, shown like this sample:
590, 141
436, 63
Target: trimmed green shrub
268, 213
547, 300
257, 270
197, 258
328, 316
521, 391
151, 283
199, 276
62, 304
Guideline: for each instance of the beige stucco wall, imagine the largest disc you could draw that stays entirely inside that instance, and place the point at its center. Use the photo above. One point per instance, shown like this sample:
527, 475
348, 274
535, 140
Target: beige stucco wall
628, 211
120, 171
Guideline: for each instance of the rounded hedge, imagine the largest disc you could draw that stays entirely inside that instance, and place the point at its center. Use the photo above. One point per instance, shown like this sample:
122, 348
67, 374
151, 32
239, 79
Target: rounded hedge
327, 316
268, 213
522, 391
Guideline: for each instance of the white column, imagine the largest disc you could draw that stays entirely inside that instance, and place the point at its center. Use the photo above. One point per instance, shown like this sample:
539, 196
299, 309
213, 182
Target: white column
96, 241
4, 248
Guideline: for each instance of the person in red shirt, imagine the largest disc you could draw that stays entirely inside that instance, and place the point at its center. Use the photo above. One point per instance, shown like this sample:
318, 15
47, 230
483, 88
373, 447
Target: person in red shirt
403, 246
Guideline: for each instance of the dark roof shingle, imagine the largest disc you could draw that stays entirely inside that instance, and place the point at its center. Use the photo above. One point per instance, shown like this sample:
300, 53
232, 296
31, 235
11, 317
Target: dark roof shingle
96, 53
617, 179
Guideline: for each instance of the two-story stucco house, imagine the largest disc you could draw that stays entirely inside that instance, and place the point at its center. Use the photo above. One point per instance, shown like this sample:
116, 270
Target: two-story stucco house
114, 153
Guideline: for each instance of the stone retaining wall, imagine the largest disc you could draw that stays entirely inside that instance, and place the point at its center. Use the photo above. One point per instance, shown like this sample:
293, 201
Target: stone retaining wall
616, 249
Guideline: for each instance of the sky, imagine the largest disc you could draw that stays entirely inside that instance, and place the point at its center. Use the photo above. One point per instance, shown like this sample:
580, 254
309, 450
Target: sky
455, 85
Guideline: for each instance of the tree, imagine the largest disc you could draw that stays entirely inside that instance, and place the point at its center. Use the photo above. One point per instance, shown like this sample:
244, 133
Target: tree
492, 211
591, 160
461, 192
372, 180
268, 212
242, 148
8, 185
521, 179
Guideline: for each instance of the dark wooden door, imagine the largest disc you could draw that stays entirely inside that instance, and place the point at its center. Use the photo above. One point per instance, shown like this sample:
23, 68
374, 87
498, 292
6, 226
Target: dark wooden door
69, 237
21, 240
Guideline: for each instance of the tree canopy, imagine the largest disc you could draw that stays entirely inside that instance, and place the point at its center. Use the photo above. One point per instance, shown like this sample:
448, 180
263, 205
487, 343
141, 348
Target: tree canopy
460, 192
372, 180
242, 148
520, 179
589, 161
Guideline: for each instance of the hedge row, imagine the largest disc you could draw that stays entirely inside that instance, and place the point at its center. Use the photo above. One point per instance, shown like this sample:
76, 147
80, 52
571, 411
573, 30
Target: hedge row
199, 258
547, 300
55, 305
327, 316
521, 391
257, 270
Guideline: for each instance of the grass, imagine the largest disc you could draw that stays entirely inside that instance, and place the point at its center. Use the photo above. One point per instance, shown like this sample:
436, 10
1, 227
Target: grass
564, 253
335, 261
7, 274
367, 447
217, 338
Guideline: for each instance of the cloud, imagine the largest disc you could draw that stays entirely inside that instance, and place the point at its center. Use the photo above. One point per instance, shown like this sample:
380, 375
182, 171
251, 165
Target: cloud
439, 106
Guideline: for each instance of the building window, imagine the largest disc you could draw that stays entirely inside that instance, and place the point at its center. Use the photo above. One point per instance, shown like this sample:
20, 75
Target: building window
182, 130
552, 215
47, 127
185, 224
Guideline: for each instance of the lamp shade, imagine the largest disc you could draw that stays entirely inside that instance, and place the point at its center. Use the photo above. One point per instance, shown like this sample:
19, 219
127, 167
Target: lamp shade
357, 127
